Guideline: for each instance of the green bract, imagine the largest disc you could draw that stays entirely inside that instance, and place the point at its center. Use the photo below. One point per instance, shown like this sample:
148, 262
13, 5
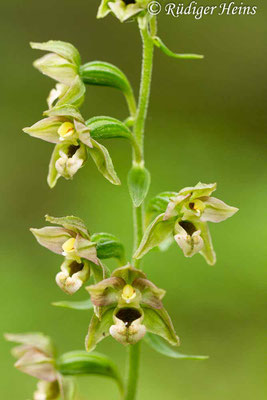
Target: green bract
65, 127
36, 357
185, 218
122, 9
127, 305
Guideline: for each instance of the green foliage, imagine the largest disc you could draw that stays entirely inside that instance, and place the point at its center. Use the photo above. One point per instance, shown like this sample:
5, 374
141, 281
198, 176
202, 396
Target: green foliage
108, 246
75, 305
159, 345
159, 43
83, 363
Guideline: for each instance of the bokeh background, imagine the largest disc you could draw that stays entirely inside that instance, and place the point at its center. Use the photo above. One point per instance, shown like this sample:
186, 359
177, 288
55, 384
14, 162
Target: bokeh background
207, 122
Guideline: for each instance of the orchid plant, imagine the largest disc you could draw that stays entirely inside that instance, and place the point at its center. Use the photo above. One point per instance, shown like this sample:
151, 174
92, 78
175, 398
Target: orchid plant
124, 303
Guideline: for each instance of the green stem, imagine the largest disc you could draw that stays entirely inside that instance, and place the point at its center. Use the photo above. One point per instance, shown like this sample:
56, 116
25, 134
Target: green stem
133, 371
148, 49
139, 127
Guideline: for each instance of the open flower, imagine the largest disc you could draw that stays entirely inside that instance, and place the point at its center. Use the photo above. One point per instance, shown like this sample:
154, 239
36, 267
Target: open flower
72, 240
127, 305
65, 127
122, 9
185, 218
36, 357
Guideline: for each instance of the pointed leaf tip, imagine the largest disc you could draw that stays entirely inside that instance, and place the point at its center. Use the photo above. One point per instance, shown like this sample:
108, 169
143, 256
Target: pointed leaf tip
75, 305
159, 345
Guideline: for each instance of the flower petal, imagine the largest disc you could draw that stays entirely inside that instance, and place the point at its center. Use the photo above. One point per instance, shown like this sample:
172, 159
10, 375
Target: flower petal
151, 294
66, 111
52, 237
74, 95
46, 129
216, 210
56, 68
174, 205
37, 364
103, 162
86, 249
105, 293
35, 340
99, 328
200, 190
207, 251
103, 9
128, 273
63, 49
71, 223
123, 11
56, 93
156, 233
159, 323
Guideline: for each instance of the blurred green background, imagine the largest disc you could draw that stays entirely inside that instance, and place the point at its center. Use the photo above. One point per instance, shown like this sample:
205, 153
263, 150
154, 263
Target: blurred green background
207, 122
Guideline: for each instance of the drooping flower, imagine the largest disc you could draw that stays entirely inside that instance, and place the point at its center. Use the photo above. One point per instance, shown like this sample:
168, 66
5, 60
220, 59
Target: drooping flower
72, 240
127, 305
65, 127
62, 64
122, 9
184, 215
36, 357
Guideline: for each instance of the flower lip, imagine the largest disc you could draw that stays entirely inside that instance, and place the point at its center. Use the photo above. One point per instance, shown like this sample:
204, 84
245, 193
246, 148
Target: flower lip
127, 2
188, 227
72, 150
128, 315
75, 267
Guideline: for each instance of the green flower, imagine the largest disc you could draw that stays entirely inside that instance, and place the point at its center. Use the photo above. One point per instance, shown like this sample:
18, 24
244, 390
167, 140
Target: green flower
127, 305
65, 127
72, 240
122, 9
36, 357
62, 64
184, 216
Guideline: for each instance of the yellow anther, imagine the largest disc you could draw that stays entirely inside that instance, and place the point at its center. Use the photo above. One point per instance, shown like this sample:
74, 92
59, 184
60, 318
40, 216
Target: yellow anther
66, 129
69, 245
128, 293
